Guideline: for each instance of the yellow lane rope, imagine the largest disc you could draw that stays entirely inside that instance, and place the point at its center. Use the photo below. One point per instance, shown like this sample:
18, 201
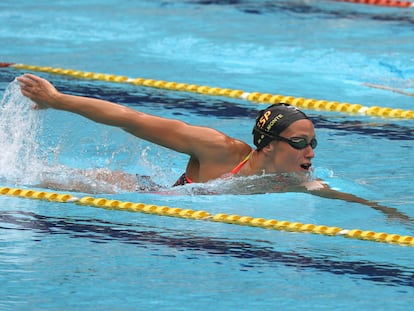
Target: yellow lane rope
263, 223
303, 103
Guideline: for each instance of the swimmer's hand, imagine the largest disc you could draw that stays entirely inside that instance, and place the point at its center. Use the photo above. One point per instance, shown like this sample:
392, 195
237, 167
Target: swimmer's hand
314, 185
322, 189
39, 90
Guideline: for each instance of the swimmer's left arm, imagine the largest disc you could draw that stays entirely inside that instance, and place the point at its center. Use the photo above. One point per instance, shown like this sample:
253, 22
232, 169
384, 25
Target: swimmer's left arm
321, 189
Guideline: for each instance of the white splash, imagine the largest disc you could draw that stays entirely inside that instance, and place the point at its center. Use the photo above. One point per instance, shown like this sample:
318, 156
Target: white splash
20, 126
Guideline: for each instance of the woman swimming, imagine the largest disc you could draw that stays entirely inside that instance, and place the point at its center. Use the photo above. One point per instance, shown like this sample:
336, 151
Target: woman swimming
284, 137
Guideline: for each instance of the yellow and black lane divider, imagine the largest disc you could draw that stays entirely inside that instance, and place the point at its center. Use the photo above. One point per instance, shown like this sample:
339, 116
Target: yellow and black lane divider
257, 222
257, 97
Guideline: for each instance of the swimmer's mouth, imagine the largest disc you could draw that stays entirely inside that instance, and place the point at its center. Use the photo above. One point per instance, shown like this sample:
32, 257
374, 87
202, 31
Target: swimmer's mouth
306, 166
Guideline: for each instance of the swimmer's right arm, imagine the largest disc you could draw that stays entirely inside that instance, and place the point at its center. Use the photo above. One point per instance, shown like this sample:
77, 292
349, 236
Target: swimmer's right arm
173, 134
45, 95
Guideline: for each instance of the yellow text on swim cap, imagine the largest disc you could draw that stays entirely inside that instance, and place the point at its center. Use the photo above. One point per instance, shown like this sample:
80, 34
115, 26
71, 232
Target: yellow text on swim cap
275, 119
263, 119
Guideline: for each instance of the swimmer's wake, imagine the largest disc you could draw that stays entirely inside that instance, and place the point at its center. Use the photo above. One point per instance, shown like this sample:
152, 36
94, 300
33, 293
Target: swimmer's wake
22, 162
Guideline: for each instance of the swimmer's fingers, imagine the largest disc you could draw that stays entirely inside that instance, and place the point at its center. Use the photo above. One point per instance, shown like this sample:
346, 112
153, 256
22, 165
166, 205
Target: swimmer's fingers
25, 88
39, 90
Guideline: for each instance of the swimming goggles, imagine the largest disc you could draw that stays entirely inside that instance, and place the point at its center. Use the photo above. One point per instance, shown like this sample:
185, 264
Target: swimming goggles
298, 143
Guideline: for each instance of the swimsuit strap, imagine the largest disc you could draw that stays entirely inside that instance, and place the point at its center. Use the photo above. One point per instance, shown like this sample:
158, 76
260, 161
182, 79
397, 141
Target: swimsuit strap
184, 179
235, 170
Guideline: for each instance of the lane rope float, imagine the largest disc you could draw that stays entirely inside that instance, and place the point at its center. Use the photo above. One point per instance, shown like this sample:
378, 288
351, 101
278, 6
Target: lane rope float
258, 222
257, 97
392, 3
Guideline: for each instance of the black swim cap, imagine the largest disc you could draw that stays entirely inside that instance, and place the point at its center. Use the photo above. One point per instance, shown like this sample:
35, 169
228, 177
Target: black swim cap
274, 120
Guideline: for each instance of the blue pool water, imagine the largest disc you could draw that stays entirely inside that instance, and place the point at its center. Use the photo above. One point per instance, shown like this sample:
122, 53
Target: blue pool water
72, 257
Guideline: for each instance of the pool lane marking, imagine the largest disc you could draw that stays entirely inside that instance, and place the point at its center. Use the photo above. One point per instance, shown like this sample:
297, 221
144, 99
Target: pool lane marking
392, 3
272, 224
256, 97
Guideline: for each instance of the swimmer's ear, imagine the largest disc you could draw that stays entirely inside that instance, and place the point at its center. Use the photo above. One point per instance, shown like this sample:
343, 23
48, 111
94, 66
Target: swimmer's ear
268, 148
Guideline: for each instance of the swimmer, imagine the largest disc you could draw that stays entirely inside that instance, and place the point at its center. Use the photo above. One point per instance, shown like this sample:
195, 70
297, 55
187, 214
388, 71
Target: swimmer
284, 137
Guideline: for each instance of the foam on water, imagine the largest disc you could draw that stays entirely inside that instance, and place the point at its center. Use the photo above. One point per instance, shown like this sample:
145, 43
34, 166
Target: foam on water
20, 125
23, 161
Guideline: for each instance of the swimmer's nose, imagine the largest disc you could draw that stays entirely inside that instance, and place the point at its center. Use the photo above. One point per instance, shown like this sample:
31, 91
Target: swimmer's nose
309, 152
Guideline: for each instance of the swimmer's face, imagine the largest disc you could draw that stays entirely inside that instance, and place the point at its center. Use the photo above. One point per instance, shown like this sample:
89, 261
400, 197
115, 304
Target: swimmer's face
287, 159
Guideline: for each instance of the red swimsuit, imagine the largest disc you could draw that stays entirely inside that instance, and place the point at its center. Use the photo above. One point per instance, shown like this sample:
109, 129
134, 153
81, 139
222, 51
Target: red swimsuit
183, 180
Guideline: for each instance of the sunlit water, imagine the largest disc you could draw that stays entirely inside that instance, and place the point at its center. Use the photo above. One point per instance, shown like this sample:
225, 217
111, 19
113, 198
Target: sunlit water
71, 257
